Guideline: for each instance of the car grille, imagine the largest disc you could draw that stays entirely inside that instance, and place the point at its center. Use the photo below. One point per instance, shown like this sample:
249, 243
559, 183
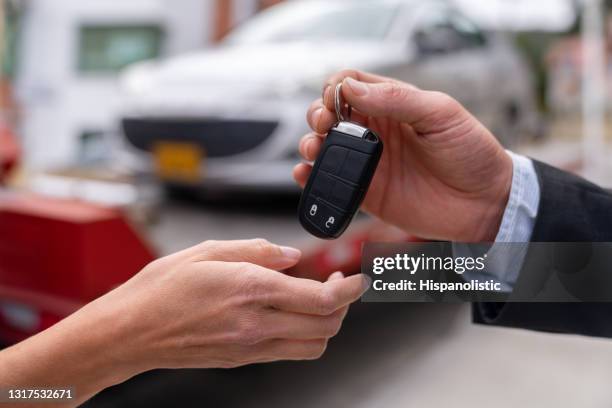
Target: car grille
218, 137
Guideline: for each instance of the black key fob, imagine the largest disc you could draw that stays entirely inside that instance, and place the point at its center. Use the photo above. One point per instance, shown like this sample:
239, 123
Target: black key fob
339, 180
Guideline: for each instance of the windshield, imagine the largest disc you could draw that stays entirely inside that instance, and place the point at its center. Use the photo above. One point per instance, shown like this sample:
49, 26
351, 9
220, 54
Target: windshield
316, 20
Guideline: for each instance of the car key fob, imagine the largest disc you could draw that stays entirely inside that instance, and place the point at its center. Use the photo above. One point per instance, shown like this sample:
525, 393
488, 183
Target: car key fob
340, 178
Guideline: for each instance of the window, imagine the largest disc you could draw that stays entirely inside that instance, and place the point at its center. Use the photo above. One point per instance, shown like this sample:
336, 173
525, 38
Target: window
312, 21
9, 40
107, 49
468, 31
444, 30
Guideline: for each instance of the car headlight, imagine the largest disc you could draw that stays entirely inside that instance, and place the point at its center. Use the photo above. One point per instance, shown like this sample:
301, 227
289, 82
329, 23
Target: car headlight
137, 80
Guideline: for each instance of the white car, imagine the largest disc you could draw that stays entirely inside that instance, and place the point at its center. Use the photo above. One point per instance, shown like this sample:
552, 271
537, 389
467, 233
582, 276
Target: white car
231, 117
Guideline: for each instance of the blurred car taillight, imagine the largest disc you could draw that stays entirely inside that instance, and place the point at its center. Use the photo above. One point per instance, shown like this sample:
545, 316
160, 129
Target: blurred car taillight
9, 151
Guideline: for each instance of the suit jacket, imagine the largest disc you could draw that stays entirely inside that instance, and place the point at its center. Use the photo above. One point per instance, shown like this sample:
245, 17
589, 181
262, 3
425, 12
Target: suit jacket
571, 210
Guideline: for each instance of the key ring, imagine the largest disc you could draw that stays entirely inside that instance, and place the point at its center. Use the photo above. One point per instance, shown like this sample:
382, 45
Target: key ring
339, 105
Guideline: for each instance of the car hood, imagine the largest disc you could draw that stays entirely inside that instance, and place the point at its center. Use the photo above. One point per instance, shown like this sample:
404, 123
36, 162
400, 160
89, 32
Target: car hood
252, 69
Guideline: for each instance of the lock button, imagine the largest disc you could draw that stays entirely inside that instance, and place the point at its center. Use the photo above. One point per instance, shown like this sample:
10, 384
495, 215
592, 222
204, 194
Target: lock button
323, 216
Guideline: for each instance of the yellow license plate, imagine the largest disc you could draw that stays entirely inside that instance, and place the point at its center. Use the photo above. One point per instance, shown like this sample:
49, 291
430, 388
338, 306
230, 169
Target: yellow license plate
182, 162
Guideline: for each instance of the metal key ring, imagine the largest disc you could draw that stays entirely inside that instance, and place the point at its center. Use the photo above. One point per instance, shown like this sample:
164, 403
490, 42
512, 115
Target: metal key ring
339, 105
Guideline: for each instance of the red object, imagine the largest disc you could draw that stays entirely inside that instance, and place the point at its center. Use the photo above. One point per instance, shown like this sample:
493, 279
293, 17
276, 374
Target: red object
344, 254
9, 151
57, 255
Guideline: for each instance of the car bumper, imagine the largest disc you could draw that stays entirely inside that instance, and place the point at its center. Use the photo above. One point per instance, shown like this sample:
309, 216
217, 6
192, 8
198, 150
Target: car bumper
254, 149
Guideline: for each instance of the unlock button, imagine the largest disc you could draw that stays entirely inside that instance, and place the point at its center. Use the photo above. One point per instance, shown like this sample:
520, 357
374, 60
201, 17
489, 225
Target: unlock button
330, 219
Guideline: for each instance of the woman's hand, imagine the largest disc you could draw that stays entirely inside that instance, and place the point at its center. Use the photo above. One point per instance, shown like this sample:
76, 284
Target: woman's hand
442, 174
218, 304
223, 304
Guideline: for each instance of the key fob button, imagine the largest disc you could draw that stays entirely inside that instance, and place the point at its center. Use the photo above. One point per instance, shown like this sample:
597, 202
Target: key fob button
330, 220
355, 167
312, 209
342, 195
323, 185
334, 159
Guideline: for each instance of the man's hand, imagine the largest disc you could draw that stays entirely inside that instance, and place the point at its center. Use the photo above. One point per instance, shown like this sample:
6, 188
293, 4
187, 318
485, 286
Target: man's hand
218, 304
442, 175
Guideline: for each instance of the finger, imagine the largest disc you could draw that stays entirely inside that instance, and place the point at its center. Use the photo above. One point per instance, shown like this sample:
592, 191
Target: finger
344, 310
335, 276
312, 297
330, 85
286, 325
425, 111
287, 349
301, 172
320, 119
256, 251
310, 146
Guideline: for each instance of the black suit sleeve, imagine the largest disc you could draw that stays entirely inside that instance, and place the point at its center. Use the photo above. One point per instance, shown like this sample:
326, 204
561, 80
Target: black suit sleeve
571, 210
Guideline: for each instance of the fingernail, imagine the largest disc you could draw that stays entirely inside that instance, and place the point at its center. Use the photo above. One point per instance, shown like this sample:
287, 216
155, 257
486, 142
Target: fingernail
316, 116
358, 88
367, 282
325, 92
291, 253
305, 142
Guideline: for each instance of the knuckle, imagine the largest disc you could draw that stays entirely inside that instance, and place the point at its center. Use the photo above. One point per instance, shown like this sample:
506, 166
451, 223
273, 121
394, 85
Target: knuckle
263, 244
394, 91
347, 72
228, 364
208, 248
267, 249
334, 326
263, 247
445, 101
210, 243
248, 278
340, 75
245, 269
154, 265
326, 302
316, 350
317, 104
249, 332
255, 286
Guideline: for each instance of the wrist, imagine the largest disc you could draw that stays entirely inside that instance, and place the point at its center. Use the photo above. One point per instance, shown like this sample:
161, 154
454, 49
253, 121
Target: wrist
494, 202
120, 352
79, 353
96, 344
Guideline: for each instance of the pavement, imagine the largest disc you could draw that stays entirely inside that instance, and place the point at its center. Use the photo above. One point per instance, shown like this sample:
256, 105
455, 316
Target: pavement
399, 355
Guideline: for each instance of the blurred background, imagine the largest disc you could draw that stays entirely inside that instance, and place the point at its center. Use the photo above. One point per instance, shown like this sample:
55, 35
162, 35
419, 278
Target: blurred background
132, 129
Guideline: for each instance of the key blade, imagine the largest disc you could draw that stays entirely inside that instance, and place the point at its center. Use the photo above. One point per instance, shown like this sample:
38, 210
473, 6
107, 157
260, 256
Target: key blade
352, 129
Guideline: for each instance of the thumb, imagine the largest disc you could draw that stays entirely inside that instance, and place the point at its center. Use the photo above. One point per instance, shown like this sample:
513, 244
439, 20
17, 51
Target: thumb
256, 251
425, 111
